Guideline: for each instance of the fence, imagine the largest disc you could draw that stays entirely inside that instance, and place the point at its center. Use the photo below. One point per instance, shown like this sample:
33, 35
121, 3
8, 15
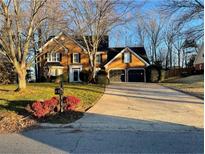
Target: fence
178, 72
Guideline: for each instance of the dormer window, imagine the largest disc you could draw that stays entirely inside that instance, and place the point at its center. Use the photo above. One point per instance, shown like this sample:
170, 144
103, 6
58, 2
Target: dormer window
127, 57
53, 57
76, 58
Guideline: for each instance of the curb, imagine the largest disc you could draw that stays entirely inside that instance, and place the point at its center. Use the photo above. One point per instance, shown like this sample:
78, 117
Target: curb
108, 127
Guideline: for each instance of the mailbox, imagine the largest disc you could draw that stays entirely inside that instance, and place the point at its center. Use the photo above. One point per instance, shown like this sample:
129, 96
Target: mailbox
58, 91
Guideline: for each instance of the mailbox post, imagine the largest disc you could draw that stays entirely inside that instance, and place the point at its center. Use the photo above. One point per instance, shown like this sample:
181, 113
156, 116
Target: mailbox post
59, 91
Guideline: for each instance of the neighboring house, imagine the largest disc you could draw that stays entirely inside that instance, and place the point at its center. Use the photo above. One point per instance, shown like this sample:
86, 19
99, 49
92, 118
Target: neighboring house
63, 55
199, 60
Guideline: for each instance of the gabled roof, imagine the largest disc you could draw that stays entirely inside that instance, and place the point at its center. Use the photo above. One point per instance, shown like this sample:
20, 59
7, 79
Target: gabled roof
140, 51
103, 45
59, 41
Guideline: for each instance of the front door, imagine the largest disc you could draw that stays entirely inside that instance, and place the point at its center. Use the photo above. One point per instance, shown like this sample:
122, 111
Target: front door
76, 73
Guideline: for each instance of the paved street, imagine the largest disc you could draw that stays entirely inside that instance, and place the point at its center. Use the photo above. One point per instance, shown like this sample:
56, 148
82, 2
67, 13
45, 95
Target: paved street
106, 141
129, 118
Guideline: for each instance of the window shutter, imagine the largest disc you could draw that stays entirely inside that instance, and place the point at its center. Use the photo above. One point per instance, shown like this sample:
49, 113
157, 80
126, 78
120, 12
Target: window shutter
60, 57
79, 58
71, 57
130, 57
123, 57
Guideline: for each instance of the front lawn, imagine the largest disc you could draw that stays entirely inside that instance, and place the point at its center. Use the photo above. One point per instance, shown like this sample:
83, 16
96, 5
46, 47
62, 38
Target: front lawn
193, 85
12, 104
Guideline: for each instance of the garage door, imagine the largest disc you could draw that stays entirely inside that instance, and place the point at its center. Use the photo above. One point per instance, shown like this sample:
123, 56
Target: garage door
117, 75
136, 76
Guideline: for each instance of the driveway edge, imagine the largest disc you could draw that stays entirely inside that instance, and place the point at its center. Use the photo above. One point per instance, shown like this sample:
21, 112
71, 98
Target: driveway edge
185, 92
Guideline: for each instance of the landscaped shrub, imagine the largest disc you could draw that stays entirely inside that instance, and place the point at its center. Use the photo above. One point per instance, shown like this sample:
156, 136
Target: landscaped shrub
45, 108
70, 102
41, 109
85, 75
153, 73
51, 104
101, 77
38, 110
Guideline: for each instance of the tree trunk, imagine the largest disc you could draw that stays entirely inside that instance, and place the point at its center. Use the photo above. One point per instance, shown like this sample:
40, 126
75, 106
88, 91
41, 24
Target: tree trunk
93, 67
179, 58
183, 58
166, 64
35, 61
170, 56
21, 80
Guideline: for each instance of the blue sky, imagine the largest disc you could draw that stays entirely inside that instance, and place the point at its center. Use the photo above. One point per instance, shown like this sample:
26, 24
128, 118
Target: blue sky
126, 34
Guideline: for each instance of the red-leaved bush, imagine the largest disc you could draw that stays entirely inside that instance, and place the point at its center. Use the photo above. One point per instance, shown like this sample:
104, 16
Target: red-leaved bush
44, 108
41, 109
70, 102
38, 109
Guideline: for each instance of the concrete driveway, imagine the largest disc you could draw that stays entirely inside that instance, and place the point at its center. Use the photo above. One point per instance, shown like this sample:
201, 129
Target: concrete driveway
129, 118
144, 106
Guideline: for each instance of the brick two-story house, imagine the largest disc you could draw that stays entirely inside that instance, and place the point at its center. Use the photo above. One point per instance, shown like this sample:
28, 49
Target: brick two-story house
63, 55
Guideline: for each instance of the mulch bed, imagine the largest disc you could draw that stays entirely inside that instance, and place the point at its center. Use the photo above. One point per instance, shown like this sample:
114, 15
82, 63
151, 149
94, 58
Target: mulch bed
10, 122
62, 118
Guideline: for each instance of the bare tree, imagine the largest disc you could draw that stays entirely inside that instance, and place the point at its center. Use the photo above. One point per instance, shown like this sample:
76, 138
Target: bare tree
154, 28
178, 45
19, 21
170, 34
140, 29
93, 19
187, 11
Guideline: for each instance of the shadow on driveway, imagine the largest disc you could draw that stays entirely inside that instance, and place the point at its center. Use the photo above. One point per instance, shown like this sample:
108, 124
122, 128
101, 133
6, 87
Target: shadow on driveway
110, 134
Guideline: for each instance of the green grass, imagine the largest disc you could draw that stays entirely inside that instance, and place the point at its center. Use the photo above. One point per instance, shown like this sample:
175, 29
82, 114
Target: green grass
193, 85
17, 101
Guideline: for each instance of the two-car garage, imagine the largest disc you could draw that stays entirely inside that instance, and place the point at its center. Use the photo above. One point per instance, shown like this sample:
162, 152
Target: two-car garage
127, 75
127, 65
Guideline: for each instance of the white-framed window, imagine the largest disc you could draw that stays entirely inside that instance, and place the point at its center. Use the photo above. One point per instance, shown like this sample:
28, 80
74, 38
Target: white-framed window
127, 57
53, 57
56, 71
99, 58
76, 58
